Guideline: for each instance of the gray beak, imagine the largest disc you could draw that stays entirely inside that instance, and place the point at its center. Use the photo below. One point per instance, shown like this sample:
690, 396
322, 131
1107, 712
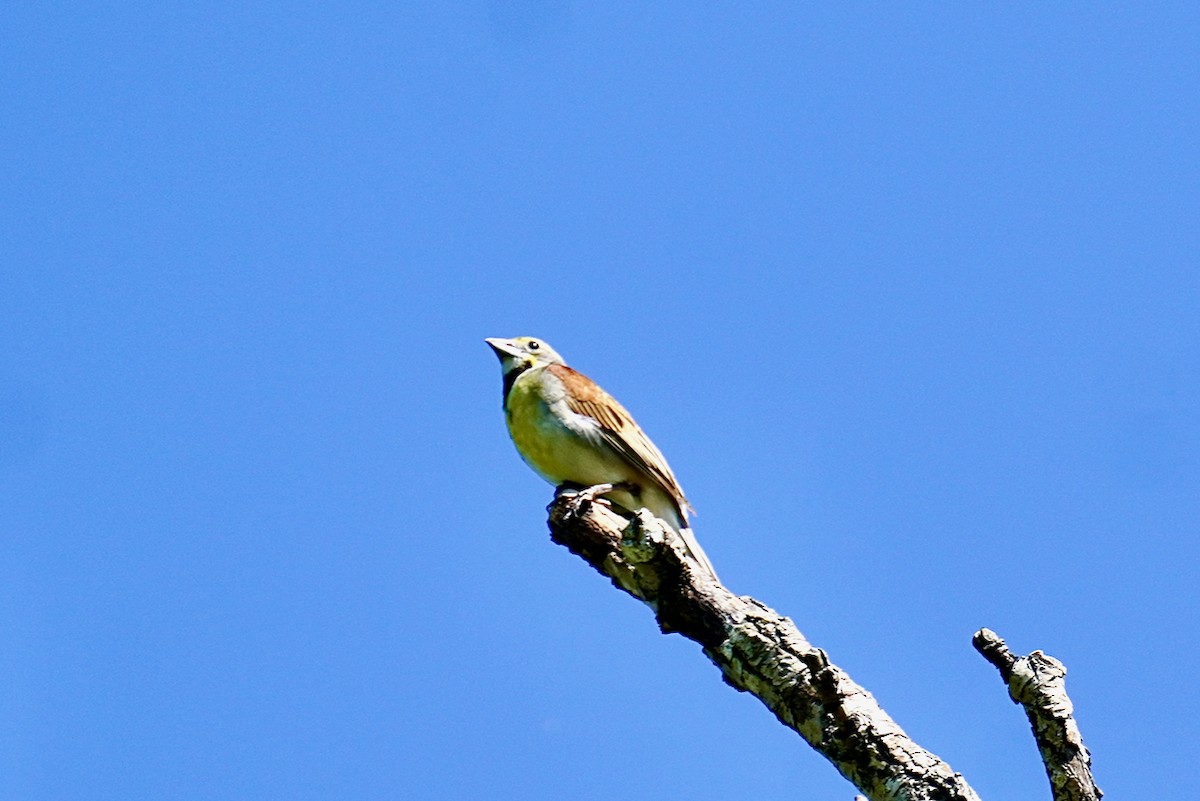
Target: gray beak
504, 348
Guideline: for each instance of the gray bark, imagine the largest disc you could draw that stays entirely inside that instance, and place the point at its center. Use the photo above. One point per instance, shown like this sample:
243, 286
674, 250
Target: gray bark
1037, 683
758, 651
762, 652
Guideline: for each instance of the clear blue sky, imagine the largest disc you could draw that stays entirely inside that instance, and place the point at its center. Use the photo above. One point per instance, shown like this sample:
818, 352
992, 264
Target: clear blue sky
910, 297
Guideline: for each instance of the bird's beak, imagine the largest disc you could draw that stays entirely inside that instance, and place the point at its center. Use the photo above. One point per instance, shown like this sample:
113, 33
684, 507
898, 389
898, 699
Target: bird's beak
504, 348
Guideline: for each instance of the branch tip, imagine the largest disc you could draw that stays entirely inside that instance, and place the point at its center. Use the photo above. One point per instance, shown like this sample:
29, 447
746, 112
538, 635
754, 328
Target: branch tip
1036, 682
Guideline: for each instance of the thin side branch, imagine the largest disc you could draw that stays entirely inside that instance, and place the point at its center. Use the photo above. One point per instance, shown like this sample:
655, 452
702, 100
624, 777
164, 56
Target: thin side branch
757, 650
1036, 682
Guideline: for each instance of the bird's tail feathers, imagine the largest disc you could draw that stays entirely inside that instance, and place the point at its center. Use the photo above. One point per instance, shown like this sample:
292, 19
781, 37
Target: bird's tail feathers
693, 546
678, 521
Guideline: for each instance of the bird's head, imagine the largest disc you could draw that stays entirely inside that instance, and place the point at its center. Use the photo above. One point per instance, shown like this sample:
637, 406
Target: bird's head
521, 353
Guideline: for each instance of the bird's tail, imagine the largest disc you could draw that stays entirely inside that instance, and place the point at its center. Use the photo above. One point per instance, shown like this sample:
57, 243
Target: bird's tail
670, 509
695, 550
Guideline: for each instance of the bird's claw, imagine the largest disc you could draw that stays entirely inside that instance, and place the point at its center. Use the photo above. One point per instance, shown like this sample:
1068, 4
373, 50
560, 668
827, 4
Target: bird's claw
581, 495
593, 494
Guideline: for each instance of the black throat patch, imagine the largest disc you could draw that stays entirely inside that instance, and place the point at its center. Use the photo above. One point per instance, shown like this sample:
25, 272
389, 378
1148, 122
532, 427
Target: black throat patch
510, 378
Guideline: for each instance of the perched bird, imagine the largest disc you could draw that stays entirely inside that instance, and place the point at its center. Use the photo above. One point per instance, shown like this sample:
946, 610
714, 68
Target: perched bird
570, 431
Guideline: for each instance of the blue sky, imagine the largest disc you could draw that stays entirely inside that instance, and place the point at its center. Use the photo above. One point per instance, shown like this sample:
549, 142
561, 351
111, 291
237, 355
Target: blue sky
909, 296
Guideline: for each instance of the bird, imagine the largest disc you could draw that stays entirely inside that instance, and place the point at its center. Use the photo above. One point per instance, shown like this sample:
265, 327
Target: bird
572, 432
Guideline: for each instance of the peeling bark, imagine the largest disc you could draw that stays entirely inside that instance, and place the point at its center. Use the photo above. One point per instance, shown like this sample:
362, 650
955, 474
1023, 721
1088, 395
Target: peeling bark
757, 650
1036, 682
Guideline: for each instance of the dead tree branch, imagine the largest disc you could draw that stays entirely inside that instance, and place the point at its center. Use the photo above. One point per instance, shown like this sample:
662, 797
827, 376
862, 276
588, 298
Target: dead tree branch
1036, 682
758, 651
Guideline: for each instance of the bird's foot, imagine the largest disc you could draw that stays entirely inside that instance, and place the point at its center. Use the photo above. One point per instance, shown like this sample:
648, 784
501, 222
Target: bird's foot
579, 498
581, 495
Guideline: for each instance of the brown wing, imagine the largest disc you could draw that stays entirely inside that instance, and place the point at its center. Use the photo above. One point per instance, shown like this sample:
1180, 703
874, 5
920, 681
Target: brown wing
584, 396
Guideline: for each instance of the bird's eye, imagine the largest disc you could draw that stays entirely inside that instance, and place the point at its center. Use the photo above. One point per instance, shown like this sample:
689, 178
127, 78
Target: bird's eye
534, 344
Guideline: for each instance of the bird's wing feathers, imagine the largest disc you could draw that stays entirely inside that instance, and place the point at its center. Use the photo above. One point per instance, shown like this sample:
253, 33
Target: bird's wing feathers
584, 396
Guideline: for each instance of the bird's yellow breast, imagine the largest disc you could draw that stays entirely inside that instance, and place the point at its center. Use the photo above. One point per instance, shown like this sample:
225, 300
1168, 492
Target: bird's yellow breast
547, 443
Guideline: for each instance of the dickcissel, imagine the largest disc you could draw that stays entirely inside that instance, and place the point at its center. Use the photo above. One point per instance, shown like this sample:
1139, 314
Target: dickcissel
570, 431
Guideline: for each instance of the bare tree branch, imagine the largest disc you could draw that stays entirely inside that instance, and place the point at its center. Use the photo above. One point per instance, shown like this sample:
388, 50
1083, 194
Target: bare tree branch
1036, 682
757, 650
